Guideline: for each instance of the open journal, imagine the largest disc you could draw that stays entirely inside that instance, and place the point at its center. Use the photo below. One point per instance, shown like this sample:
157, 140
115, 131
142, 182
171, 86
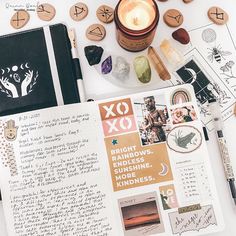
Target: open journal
135, 165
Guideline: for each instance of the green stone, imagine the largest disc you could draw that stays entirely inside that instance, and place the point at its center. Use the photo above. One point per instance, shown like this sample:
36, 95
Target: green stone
142, 69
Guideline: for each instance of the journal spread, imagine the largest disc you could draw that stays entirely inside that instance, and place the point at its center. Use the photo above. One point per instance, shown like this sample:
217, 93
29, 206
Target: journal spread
30, 79
134, 166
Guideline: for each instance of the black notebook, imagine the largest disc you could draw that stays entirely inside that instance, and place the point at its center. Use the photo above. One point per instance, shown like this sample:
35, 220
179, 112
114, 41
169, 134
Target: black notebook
36, 70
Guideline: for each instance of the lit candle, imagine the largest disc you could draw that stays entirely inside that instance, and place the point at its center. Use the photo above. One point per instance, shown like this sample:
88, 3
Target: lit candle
136, 15
136, 22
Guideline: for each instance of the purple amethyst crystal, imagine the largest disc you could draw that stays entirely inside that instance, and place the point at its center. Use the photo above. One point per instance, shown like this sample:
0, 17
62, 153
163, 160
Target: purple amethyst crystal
107, 66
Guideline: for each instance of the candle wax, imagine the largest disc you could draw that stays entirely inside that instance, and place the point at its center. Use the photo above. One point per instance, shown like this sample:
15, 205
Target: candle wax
137, 14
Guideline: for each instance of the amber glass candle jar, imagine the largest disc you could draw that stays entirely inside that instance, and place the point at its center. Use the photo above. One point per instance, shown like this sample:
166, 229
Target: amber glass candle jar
136, 22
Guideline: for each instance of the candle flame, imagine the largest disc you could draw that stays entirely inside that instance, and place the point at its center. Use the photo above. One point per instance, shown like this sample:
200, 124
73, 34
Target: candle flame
136, 16
136, 19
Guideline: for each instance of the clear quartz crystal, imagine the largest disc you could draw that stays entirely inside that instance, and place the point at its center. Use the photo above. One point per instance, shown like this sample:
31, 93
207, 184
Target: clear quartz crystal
173, 56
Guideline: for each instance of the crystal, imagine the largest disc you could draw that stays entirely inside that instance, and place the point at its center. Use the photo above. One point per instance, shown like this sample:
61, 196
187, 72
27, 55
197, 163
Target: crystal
121, 68
107, 66
181, 35
171, 54
158, 64
93, 54
142, 69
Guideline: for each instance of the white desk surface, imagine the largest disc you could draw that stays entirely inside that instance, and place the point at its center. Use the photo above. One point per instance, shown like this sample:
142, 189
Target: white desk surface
195, 14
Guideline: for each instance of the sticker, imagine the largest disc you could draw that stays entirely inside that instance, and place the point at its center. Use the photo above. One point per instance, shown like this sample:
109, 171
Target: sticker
186, 209
10, 160
141, 215
133, 165
164, 169
10, 131
117, 117
152, 118
7, 150
192, 221
184, 139
194, 184
168, 197
183, 114
180, 96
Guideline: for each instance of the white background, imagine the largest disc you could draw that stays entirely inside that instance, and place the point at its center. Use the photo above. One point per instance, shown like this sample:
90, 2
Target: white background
195, 15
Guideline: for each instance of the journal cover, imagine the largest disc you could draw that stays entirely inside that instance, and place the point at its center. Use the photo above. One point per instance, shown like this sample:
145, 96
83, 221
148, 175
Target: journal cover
36, 70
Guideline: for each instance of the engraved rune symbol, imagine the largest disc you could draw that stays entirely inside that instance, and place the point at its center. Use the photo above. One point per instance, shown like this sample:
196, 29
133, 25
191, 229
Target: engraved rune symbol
41, 8
78, 11
177, 18
219, 15
105, 13
96, 32
17, 20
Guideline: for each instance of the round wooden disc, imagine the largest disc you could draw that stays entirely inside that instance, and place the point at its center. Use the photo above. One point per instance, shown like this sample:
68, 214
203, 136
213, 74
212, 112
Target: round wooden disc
78, 11
20, 19
218, 15
46, 11
105, 14
173, 18
96, 32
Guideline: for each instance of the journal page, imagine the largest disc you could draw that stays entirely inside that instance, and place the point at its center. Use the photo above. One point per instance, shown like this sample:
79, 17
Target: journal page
159, 165
52, 173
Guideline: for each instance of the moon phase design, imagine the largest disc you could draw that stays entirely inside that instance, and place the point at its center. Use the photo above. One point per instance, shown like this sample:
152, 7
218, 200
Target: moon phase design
16, 77
164, 170
193, 73
27, 65
14, 68
8, 69
22, 67
3, 71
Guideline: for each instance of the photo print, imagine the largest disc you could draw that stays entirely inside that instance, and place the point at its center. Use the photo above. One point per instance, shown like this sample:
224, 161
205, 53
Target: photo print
168, 197
152, 118
183, 115
140, 214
